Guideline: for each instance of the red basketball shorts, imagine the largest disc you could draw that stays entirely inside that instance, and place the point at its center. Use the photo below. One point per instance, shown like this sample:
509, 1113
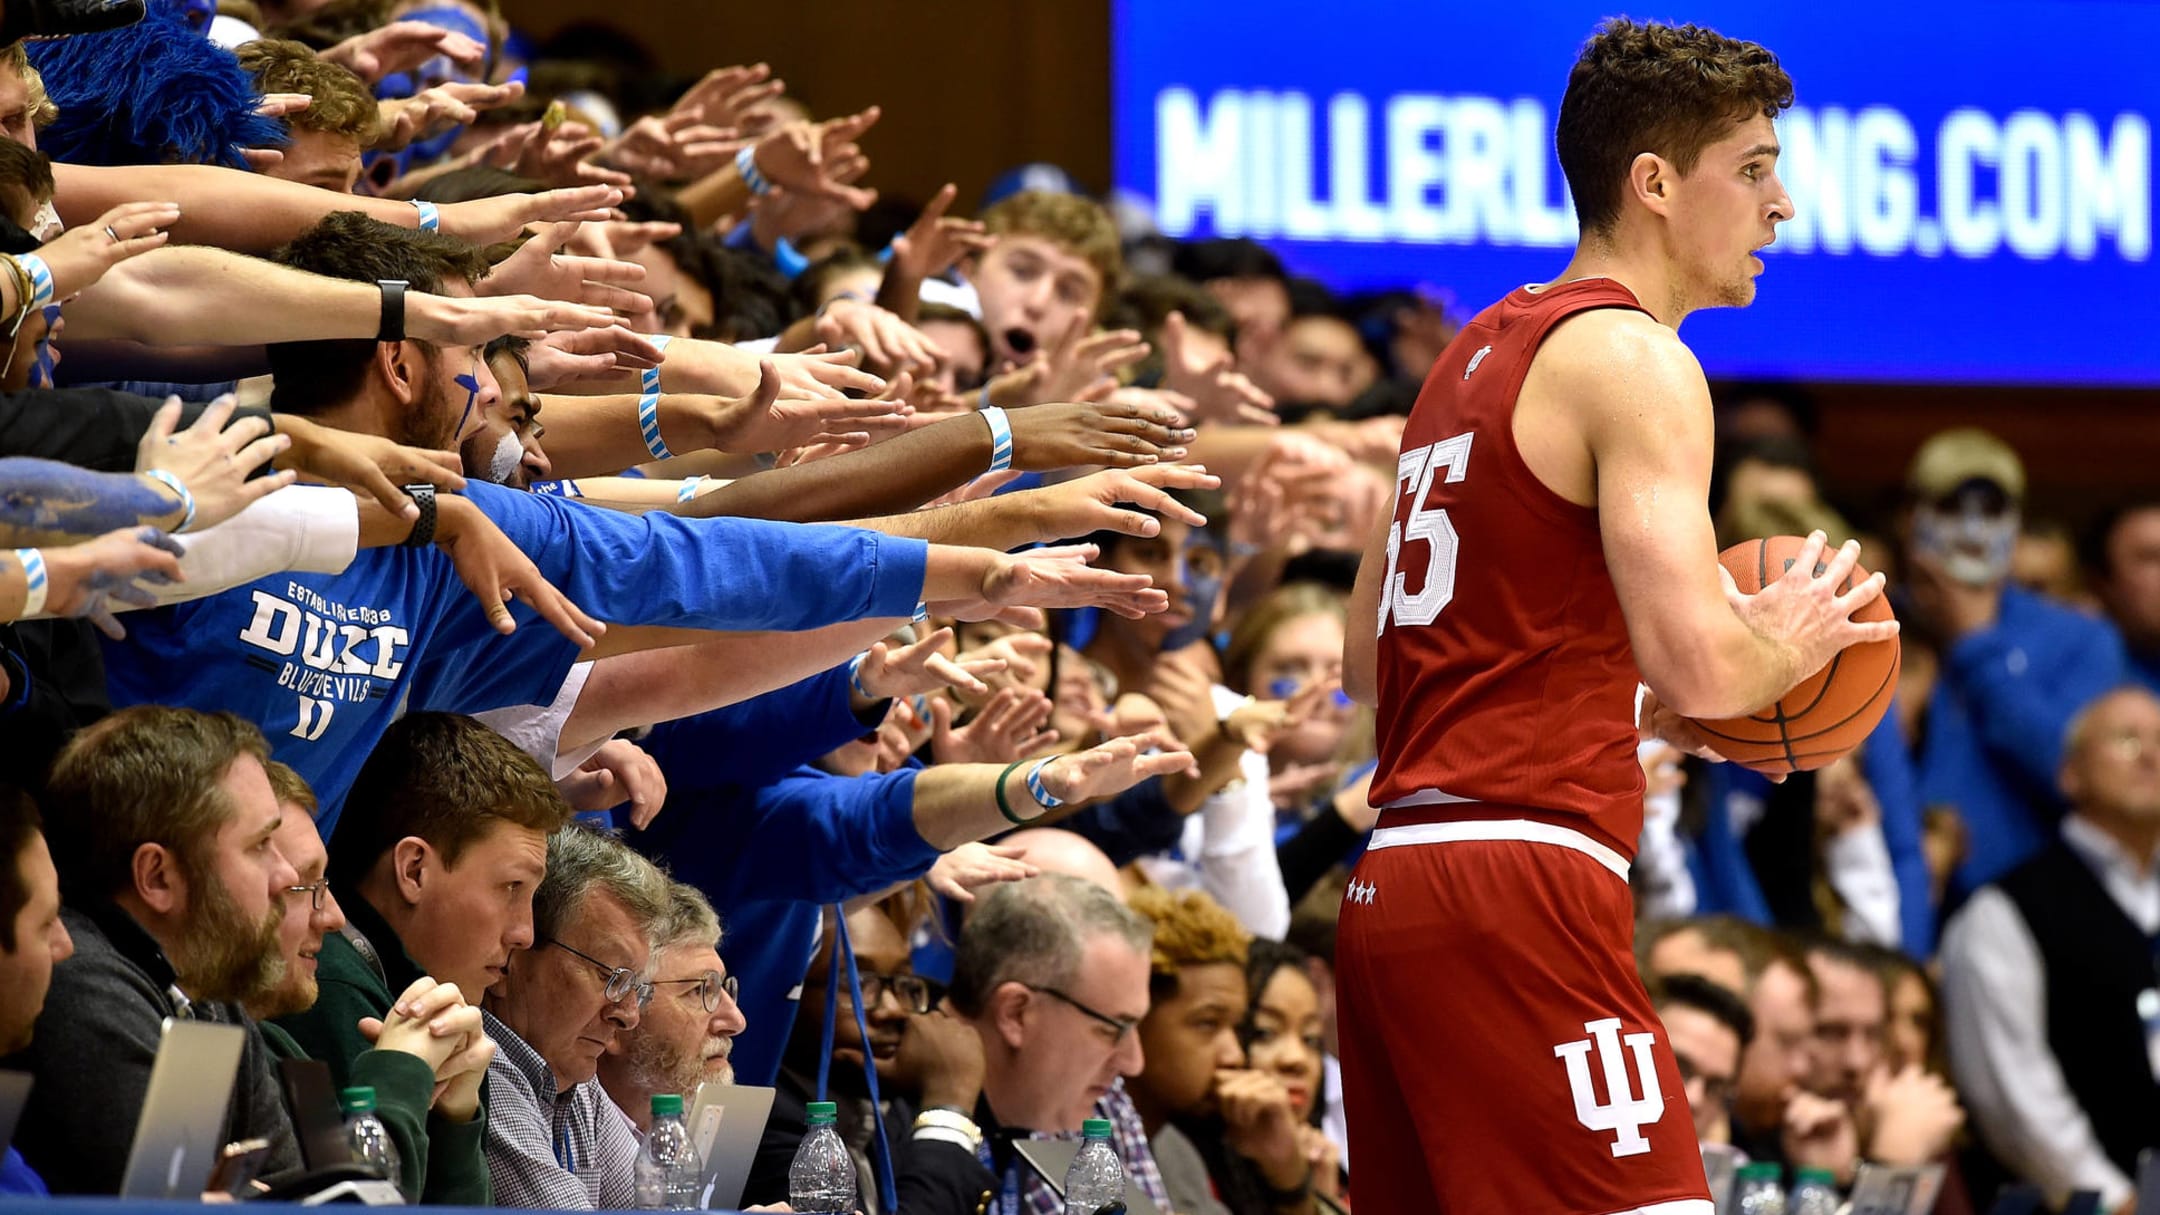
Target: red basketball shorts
1499, 1053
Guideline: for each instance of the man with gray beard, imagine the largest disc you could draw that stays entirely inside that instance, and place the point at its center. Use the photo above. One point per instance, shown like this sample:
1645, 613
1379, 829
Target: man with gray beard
162, 822
683, 1038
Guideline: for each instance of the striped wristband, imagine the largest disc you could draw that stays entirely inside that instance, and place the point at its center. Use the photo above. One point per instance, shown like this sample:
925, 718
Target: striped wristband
746, 164
854, 675
1001, 440
649, 379
1035, 786
430, 215
688, 489
41, 280
187, 500
648, 421
35, 586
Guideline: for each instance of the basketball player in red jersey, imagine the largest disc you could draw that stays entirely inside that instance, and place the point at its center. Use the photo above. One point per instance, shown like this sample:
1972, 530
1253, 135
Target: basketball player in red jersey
1550, 544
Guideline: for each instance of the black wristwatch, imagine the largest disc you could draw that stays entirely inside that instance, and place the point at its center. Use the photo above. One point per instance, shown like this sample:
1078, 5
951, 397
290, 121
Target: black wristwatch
423, 528
392, 326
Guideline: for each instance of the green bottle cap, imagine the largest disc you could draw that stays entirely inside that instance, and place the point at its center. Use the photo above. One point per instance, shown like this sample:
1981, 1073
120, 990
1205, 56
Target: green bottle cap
823, 1113
1758, 1171
1095, 1128
667, 1105
360, 1099
1818, 1177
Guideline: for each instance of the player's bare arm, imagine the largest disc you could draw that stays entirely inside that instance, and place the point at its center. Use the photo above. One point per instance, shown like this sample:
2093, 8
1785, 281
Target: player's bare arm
1361, 634
1704, 649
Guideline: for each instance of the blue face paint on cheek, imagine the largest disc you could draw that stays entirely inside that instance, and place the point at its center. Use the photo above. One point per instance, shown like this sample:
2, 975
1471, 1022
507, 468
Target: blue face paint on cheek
471, 384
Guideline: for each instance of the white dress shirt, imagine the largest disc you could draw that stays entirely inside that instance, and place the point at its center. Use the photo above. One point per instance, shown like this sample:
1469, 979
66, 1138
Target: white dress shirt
1994, 995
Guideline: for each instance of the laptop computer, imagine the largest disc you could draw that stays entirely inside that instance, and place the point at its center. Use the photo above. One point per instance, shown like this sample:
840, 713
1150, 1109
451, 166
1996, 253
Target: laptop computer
14, 1094
311, 1098
183, 1115
1052, 1157
726, 1122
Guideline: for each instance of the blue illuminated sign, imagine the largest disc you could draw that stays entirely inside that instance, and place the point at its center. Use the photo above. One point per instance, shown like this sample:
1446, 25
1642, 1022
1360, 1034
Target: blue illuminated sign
1973, 181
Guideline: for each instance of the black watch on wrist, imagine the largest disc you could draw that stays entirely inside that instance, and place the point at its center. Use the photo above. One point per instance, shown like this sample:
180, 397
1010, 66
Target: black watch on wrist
392, 326
423, 528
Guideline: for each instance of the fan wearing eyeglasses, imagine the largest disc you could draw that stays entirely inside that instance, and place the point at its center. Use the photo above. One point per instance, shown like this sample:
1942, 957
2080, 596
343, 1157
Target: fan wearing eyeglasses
554, 1139
683, 1037
929, 1070
427, 1063
1052, 973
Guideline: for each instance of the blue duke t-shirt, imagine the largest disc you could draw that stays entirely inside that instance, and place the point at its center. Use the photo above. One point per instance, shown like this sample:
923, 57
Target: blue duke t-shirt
323, 662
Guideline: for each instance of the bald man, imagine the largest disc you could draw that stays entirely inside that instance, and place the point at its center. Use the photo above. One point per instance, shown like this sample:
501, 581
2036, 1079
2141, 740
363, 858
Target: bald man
1055, 851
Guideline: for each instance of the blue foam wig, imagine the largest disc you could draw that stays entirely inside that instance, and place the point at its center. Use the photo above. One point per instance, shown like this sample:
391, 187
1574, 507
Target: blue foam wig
156, 92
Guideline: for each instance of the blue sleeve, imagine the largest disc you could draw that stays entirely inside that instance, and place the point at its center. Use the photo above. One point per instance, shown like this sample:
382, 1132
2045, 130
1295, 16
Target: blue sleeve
1887, 764
2026, 677
807, 837
1728, 880
756, 741
1135, 823
725, 573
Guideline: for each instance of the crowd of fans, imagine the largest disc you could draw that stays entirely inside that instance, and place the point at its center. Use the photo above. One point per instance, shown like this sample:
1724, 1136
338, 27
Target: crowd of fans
434, 650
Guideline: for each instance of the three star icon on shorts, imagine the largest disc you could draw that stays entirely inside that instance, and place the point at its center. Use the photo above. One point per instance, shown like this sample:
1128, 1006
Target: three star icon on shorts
1360, 892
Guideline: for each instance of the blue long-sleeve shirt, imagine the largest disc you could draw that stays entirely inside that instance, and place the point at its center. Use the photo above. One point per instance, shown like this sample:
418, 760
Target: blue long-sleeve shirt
1725, 881
323, 662
1995, 723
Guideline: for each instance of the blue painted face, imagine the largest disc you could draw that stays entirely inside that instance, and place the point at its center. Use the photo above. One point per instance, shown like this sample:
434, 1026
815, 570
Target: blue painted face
1284, 689
1200, 561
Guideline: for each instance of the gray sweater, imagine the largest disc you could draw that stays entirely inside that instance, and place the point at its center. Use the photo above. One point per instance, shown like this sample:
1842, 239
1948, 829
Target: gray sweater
93, 1048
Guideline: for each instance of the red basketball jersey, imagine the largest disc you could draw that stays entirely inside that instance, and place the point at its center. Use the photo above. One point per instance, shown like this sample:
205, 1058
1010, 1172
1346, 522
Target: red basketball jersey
1504, 670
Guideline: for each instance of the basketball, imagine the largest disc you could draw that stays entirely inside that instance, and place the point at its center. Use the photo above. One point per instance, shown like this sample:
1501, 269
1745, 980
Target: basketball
1830, 712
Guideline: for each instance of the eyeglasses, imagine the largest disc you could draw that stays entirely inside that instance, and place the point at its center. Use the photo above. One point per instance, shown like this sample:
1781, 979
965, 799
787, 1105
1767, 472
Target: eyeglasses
914, 993
710, 986
622, 982
318, 893
1118, 1026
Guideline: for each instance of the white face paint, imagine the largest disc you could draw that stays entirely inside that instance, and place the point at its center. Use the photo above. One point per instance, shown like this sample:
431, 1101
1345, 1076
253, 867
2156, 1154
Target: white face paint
503, 465
1974, 545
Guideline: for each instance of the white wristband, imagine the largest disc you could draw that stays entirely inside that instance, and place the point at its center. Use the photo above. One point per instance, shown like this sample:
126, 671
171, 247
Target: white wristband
1001, 440
430, 216
33, 563
688, 489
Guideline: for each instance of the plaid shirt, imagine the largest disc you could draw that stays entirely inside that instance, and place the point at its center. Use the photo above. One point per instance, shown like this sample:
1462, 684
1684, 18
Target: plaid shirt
1128, 1138
553, 1150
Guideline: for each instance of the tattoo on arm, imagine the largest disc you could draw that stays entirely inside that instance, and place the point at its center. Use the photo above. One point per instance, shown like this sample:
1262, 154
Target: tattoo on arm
46, 502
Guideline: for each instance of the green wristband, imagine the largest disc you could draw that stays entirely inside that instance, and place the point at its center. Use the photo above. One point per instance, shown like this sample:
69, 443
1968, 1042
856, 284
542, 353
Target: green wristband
1005, 807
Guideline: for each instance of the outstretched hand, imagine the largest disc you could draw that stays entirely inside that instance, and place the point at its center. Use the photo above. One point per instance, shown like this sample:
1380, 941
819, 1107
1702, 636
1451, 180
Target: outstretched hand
213, 460
84, 580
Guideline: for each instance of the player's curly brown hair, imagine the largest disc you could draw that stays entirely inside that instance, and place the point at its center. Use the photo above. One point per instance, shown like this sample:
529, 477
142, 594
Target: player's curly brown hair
1191, 929
1646, 87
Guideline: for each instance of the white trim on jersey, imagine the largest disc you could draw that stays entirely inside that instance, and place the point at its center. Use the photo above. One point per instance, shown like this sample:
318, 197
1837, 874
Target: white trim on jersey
1529, 831
1680, 1206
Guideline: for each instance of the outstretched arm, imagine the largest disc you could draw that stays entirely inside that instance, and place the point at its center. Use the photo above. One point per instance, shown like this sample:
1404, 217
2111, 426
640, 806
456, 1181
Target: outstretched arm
255, 214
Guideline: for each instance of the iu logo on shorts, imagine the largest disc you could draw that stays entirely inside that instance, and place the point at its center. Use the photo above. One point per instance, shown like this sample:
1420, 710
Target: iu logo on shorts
1621, 1110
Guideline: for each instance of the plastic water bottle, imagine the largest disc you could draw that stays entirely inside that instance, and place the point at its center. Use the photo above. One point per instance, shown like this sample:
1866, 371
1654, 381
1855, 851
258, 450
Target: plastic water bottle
1814, 1192
1760, 1193
667, 1165
822, 1178
1097, 1177
370, 1139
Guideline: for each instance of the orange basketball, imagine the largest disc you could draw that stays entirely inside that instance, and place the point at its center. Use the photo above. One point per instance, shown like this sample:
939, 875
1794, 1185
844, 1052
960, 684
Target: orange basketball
1830, 712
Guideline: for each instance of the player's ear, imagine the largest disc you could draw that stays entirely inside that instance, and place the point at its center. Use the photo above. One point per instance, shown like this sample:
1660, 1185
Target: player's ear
1649, 180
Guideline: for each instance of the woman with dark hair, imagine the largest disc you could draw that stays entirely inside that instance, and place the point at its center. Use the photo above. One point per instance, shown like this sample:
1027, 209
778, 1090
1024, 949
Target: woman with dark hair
1283, 1036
